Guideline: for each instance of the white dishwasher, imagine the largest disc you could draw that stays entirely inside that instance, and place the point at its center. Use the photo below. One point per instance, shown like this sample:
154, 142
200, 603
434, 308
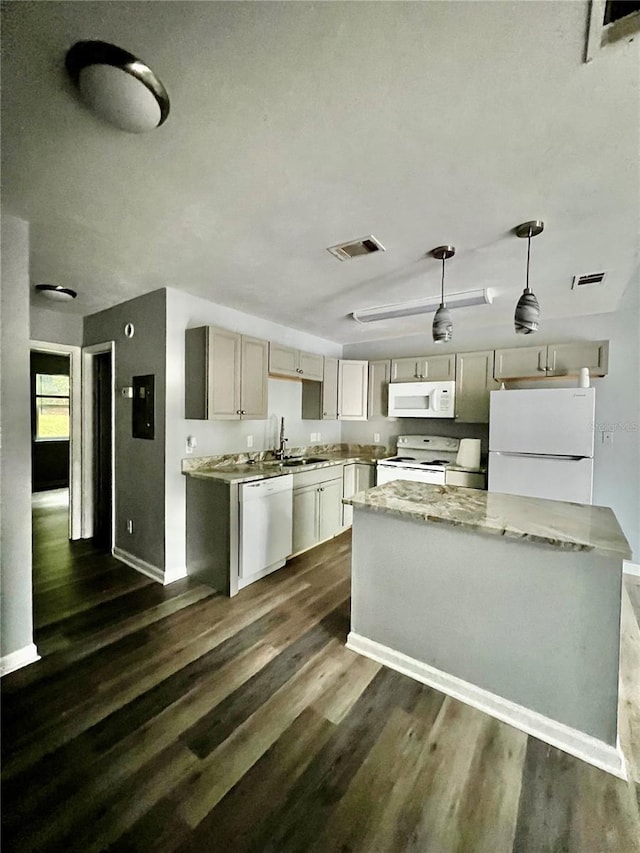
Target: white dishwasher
266, 524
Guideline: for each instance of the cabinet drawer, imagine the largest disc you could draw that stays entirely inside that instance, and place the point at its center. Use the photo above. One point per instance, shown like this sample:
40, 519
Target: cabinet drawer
317, 476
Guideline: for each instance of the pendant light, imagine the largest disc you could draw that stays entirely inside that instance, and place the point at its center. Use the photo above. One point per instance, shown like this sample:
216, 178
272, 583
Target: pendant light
528, 310
442, 323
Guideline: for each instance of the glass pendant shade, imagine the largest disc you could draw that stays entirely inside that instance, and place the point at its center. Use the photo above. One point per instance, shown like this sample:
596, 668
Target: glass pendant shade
442, 324
442, 328
527, 314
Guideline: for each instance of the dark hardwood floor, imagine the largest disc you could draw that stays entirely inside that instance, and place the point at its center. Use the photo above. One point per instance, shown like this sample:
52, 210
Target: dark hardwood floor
170, 718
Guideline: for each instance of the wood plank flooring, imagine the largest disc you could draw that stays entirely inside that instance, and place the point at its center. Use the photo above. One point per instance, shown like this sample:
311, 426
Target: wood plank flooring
174, 719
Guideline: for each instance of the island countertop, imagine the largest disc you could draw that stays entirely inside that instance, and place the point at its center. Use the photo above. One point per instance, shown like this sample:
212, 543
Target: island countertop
563, 525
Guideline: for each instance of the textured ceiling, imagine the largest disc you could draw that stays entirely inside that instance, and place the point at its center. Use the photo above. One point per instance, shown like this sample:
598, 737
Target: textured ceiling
297, 126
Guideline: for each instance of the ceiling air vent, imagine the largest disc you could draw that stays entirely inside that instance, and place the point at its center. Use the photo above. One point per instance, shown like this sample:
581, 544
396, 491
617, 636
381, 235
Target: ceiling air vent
590, 278
357, 248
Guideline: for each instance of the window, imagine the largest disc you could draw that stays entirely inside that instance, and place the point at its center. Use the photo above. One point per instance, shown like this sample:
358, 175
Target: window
52, 407
616, 9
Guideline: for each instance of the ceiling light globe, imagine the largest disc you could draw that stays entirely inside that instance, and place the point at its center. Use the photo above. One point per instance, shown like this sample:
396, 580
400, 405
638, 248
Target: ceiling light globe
119, 98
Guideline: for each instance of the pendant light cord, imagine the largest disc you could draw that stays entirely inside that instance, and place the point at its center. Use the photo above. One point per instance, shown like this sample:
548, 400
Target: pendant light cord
527, 290
442, 285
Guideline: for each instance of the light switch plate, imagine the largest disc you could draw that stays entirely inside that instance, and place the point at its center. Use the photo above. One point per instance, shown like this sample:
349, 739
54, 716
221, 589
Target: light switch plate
249, 441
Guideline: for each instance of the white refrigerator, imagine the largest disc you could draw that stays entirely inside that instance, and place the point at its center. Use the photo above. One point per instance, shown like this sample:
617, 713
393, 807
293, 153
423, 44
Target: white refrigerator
541, 443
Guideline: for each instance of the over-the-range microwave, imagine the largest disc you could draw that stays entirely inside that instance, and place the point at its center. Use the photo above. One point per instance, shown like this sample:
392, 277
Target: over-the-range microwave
422, 399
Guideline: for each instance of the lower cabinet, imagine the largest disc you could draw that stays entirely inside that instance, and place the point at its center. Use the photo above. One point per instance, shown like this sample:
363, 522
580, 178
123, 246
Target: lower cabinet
358, 476
317, 507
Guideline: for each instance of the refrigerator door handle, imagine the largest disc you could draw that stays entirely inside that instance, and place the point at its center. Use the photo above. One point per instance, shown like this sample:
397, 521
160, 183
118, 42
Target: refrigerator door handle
544, 456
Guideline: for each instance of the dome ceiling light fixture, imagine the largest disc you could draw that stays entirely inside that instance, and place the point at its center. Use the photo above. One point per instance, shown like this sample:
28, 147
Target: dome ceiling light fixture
527, 313
117, 86
56, 292
442, 323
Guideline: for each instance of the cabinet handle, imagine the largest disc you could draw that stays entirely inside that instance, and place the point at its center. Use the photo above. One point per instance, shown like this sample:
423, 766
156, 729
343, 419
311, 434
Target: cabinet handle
540, 367
243, 411
238, 411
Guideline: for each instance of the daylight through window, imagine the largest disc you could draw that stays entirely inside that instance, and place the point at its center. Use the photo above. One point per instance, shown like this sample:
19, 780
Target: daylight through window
52, 407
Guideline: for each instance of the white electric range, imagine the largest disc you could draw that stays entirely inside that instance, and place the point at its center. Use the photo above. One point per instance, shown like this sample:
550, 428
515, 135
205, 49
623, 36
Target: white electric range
422, 458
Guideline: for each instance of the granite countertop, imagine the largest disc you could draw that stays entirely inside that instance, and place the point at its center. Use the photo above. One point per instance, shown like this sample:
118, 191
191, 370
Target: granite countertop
567, 526
237, 470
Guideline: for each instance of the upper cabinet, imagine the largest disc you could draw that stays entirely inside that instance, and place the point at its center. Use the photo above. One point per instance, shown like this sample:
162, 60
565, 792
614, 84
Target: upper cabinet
285, 361
474, 381
225, 375
352, 390
320, 399
435, 368
552, 360
379, 378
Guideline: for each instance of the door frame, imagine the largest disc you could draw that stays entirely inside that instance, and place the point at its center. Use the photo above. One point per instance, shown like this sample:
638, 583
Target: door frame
88, 354
75, 431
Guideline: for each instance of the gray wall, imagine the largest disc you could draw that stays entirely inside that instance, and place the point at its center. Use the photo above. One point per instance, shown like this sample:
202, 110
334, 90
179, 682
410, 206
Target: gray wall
139, 463
616, 467
15, 594
55, 327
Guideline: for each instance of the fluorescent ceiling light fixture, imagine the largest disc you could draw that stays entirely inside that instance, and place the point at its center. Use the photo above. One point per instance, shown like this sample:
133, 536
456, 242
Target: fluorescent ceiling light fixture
423, 306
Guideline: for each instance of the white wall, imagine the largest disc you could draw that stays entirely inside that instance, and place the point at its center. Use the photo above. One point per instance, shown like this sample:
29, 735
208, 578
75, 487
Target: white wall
217, 437
56, 327
15, 412
617, 466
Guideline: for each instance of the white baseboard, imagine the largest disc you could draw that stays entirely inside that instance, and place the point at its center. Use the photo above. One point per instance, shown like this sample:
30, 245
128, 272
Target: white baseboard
148, 569
176, 574
18, 659
573, 741
630, 568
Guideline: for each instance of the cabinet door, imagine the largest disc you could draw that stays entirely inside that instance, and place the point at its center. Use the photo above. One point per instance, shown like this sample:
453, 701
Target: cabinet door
310, 366
379, 376
474, 381
224, 375
330, 517
196, 372
352, 390
253, 379
348, 489
330, 390
439, 368
569, 358
305, 517
520, 362
406, 369
283, 361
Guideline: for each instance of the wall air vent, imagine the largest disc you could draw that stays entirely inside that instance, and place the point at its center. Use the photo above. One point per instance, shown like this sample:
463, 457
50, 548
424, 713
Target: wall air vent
589, 278
356, 248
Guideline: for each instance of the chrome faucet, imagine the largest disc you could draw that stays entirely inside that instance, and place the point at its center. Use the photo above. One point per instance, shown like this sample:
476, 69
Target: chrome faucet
280, 450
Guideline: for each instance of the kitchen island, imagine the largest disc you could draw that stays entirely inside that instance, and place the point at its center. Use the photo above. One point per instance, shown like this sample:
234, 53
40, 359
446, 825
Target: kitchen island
508, 603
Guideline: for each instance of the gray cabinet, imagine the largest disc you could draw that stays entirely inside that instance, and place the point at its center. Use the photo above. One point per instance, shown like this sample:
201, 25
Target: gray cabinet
317, 506
353, 377
286, 361
474, 382
435, 368
358, 476
378, 394
225, 375
552, 360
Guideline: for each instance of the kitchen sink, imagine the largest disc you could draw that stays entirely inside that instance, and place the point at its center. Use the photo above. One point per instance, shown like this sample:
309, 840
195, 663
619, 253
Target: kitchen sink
311, 460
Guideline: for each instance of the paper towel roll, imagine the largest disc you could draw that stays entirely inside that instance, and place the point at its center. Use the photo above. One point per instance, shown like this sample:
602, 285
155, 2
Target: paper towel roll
469, 453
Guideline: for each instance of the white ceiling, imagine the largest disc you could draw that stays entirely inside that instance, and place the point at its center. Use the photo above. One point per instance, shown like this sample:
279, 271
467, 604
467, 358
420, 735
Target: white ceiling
297, 126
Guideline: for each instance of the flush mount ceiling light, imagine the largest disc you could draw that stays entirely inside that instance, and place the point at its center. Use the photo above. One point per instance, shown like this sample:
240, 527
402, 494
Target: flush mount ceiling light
118, 86
423, 306
56, 292
442, 323
528, 310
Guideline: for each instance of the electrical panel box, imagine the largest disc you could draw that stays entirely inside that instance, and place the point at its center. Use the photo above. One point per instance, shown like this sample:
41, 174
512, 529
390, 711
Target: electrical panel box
143, 410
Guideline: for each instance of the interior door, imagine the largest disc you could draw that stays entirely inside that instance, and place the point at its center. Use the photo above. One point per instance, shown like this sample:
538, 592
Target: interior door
102, 485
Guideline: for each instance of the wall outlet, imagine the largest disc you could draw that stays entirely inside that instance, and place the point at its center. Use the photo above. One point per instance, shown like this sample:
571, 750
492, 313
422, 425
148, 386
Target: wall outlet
129, 525
191, 443
607, 438
249, 441
376, 437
